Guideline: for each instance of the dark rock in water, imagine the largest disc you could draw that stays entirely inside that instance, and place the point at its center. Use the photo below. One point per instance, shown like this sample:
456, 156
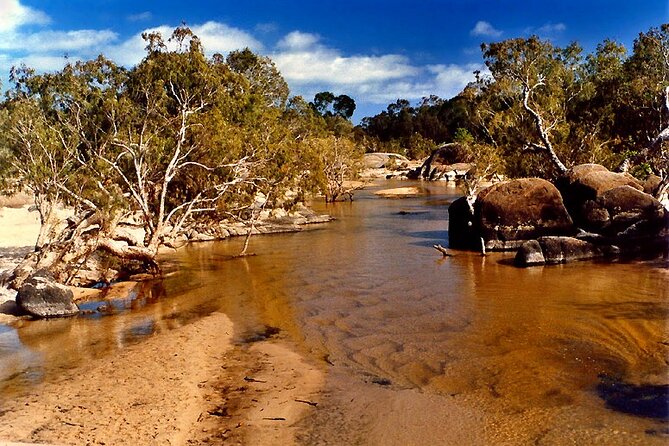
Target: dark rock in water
42, 297
530, 254
509, 213
567, 249
610, 203
555, 249
651, 401
462, 232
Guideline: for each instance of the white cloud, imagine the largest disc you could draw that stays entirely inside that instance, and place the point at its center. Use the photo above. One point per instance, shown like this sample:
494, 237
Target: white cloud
551, 28
297, 40
215, 37
13, 15
451, 79
309, 67
483, 28
303, 60
307, 64
265, 28
40, 62
45, 41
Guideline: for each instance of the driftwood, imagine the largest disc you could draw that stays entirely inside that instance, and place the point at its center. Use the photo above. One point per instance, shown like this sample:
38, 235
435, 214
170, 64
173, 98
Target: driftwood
442, 250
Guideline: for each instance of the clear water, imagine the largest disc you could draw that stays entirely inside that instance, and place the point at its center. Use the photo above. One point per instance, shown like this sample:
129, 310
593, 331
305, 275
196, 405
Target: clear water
368, 294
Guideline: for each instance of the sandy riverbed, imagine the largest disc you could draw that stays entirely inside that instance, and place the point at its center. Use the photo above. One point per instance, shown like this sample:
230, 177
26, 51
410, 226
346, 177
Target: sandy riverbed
190, 385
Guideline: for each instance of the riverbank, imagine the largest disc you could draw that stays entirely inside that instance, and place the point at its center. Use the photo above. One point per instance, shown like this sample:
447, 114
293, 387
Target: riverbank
185, 385
189, 385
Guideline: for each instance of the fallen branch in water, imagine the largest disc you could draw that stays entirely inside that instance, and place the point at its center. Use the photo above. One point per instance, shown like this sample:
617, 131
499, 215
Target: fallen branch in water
442, 250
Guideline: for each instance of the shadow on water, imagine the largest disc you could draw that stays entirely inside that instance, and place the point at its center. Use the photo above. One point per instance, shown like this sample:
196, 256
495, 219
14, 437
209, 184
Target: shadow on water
651, 401
428, 238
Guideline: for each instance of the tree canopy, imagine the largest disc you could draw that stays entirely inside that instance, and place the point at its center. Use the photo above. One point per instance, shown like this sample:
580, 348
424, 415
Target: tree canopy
176, 140
545, 108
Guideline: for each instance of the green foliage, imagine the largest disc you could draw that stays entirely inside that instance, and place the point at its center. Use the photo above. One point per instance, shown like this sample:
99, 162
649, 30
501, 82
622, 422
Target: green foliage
177, 138
463, 136
543, 107
419, 147
328, 105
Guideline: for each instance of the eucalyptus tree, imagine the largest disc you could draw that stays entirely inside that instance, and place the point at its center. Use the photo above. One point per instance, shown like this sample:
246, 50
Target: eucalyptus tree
262, 74
536, 82
644, 111
175, 138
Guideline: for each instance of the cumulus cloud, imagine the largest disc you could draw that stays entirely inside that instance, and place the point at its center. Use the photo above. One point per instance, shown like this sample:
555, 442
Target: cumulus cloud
483, 28
306, 62
309, 66
13, 15
297, 40
265, 28
215, 37
40, 62
303, 60
449, 80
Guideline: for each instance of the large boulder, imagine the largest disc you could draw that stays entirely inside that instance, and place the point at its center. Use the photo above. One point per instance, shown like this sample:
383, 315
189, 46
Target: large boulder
553, 250
610, 203
41, 296
511, 212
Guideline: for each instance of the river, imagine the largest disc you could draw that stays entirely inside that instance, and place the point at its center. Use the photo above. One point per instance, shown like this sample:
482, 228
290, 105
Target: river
535, 353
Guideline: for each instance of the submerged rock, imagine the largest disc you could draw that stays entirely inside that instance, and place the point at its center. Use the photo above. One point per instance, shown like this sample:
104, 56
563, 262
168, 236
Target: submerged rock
41, 296
530, 254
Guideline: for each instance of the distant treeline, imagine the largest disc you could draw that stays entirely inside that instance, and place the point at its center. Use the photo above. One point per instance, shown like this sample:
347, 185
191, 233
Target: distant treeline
541, 102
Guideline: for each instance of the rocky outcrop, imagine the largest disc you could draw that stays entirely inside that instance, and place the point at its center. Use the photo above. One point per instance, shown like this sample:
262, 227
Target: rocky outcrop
554, 250
41, 296
609, 203
448, 162
379, 160
509, 213
607, 213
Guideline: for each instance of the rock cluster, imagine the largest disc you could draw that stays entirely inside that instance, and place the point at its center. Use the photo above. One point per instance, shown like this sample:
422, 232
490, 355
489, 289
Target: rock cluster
448, 162
591, 213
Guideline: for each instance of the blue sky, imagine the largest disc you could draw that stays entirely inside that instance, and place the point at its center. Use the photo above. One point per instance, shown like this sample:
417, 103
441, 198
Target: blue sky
375, 51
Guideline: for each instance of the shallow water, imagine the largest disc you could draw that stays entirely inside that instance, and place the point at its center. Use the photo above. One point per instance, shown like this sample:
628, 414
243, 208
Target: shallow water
369, 295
